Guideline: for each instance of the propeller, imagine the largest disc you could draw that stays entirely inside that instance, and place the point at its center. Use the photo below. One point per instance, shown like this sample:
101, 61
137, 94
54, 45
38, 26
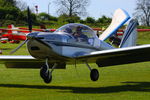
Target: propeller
30, 29
13, 51
29, 20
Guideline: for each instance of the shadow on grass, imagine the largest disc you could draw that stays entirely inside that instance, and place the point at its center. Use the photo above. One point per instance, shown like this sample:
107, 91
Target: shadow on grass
128, 86
6, 48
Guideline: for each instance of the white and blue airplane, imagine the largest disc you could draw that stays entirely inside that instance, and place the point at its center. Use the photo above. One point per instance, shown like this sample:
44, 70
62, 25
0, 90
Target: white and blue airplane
77, 43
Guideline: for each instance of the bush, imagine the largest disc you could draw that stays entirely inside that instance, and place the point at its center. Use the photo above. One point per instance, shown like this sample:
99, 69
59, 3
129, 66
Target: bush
143, 27
8, 22
90, 20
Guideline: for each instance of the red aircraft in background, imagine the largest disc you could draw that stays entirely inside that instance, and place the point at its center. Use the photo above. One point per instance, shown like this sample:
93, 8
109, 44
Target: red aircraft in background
17, 34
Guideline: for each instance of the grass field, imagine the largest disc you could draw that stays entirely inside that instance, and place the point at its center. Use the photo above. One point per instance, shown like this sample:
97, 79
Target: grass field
123, 82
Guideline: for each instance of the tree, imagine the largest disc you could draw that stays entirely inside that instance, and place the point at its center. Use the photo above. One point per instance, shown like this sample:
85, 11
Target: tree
9, 12
90, 20
142, 12
43, 16
46, 17
72, 7
21, 5
104, 20
9, 3
69, 19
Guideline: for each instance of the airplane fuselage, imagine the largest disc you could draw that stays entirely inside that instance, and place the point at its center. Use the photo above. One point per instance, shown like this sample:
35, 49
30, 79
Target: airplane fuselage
57, 46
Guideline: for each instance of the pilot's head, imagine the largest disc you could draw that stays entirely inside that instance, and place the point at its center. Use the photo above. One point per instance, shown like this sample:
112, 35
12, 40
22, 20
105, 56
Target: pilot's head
79, 29
68, 30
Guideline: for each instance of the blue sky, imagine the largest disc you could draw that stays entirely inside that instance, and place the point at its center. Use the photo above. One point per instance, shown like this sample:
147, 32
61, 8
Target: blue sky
96, 9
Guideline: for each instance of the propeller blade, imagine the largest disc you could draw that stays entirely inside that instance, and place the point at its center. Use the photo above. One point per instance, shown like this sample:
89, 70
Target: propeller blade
29, 20
30, 29
13, 51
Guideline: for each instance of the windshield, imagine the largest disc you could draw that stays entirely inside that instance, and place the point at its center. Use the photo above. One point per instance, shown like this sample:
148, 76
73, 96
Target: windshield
80, 32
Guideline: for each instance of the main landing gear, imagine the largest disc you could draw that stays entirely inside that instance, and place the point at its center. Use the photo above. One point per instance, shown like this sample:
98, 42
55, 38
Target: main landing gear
94, 74
45, 74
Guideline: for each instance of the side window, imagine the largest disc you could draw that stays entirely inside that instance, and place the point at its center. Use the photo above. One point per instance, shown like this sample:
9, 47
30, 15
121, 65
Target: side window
91, 41
87, 32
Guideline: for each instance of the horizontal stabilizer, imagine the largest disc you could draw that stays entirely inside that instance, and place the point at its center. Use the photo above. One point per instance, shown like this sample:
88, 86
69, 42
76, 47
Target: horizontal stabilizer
119, 18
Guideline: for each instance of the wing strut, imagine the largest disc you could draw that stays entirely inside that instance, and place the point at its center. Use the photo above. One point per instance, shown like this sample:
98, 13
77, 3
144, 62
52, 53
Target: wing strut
94, 74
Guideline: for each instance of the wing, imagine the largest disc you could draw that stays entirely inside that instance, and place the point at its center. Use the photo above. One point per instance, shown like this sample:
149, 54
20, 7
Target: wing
20, 62
118, 56
27, 62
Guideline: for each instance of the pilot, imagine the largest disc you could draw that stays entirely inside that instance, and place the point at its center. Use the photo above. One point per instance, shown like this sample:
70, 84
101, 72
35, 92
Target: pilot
68, 30
79, 35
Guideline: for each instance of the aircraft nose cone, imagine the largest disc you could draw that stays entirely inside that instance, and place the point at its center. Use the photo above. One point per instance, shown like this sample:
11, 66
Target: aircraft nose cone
32, 35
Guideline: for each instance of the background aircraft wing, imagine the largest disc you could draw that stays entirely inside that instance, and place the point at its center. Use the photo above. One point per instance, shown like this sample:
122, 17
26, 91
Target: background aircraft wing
118, 56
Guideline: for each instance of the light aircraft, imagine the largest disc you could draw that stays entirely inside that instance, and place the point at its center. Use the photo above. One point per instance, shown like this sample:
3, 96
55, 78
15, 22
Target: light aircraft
77, 43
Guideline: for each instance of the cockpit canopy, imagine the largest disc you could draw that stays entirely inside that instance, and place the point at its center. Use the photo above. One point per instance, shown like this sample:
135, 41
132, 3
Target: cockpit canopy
75, 28
80, 32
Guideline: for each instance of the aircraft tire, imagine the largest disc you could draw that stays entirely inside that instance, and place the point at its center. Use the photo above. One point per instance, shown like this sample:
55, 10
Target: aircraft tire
48, 79
43, 71
94, 74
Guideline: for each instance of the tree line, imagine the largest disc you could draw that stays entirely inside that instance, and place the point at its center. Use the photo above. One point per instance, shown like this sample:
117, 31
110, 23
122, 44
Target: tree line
15, 12
69, 11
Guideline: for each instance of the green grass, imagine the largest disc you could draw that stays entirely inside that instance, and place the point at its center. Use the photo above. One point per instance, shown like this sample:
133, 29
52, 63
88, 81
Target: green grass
8, 47
143, 38
123, 82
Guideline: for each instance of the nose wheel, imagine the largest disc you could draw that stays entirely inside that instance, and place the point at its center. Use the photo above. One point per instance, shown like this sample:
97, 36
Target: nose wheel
94, 74
45, 74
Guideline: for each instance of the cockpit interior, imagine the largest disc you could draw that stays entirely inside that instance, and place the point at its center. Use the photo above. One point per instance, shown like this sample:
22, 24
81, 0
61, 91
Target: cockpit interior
79, 32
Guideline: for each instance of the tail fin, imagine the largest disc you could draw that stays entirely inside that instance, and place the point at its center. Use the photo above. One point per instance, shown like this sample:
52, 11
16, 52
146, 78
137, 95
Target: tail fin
119, 18
10, 27
130, 35
11, 31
